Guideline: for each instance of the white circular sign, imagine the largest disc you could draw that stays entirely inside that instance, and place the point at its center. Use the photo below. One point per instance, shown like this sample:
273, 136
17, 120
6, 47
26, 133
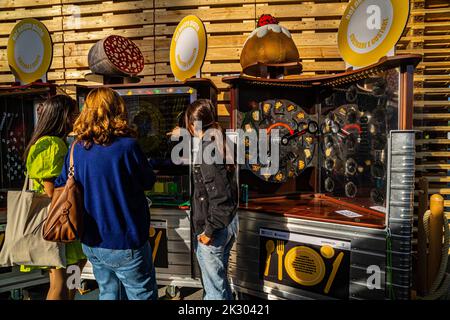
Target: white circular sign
371, 22
29, 51
187, 54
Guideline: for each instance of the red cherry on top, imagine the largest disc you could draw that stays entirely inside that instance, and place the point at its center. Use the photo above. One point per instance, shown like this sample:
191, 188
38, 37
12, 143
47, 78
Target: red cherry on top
266, 19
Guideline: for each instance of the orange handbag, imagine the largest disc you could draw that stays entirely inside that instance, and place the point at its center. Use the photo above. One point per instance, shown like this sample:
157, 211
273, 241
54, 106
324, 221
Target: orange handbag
64, 222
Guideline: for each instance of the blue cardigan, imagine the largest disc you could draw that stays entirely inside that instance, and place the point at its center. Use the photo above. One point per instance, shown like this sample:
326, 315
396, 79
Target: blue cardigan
113, 178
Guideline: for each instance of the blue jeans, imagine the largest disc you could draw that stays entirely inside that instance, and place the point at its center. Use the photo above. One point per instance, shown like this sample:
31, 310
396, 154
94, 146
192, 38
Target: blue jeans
213, 262
128, 270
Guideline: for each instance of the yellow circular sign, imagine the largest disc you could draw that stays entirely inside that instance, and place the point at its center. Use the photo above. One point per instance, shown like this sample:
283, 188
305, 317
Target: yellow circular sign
30, 50
369, 29
188, 48
304, 265
327, 252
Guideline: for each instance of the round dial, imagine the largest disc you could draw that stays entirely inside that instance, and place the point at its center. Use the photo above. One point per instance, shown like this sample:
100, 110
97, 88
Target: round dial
296, 135
341, 130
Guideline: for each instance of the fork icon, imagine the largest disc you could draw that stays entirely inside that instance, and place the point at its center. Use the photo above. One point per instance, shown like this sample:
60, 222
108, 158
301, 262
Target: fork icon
280, 253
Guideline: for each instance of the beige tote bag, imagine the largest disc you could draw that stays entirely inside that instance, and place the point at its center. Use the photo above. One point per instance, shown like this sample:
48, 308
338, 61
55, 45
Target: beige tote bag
24, 244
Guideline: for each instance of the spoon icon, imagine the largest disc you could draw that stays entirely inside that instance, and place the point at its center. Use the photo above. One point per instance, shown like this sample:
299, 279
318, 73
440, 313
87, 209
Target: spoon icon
270, 248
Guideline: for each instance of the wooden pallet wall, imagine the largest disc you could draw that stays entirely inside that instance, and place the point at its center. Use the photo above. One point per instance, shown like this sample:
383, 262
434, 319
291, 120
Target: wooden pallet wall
49, 12
429, 35
229, 22
75, 25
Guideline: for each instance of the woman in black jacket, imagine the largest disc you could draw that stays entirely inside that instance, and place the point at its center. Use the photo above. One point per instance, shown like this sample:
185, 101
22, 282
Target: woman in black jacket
214, 205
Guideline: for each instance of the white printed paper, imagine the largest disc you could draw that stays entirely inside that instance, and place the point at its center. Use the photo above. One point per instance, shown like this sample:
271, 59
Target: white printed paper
379, 208
348, 213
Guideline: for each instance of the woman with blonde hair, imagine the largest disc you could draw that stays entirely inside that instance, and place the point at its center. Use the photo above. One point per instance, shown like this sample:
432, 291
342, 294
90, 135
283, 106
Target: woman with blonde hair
114, 173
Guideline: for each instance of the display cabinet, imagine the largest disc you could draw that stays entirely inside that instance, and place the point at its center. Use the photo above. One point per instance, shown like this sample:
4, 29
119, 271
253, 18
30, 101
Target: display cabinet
340, 206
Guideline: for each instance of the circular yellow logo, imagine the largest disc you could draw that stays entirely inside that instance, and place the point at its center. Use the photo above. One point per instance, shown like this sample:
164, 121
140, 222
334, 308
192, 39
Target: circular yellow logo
30, 50
188, 48
369, 29
305, 266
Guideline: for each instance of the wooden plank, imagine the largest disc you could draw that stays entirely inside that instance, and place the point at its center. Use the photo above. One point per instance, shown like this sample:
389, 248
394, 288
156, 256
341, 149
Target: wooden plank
435, 178
436, 154
212, 14
248, 26
222, 28
439, 190
23, 13
433, 166
232, 41
56, 38
113, 7
193, 3
28, 3
164, 68
82, 49
146, 31
428, 11
432, 141
432, 116
431, 103
432, 78
109, 21
303, 10
78, 1
227, 54
54, 24
82, 61
433, 90
57, 52
222, 110
6, 78
432, 129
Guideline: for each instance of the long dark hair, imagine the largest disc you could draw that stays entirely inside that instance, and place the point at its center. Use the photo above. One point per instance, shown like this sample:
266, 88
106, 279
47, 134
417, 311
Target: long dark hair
203, 110
55, 119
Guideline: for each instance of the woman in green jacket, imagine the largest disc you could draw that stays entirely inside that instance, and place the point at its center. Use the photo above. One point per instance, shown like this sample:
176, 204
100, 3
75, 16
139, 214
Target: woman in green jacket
44, 158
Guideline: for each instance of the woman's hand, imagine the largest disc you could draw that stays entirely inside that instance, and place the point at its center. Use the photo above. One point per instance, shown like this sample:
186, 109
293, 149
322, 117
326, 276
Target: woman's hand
204, 239
176, 132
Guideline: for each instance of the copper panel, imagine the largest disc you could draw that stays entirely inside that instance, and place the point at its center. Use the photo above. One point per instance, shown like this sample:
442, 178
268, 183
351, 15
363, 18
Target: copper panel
406, 97
318, 208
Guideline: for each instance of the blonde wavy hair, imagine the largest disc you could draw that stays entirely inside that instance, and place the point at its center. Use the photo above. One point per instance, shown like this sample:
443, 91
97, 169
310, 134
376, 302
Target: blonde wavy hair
103, 118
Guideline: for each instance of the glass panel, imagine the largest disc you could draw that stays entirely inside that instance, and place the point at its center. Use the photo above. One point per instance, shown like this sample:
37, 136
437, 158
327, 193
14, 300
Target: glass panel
355, 123
153, 116
16, 127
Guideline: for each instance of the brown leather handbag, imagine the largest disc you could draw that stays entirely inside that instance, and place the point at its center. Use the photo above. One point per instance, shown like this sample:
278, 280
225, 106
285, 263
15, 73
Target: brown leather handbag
64, 222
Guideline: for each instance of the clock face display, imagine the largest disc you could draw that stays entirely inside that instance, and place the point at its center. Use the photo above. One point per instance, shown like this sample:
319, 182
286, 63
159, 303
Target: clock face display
296, 137
354, 129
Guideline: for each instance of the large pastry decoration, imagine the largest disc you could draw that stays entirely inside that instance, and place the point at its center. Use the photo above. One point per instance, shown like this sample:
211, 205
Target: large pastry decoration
270, 52
270, 45
297, 142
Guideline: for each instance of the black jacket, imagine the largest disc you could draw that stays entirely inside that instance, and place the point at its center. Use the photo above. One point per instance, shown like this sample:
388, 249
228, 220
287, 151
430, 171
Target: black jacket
214, 198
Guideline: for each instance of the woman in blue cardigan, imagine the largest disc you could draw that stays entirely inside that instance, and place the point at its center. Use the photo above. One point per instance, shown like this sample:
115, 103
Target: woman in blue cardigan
114, 174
